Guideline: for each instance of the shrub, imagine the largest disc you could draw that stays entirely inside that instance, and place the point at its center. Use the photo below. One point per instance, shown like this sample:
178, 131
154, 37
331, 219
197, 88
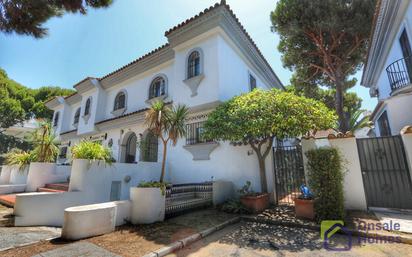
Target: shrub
161, 185
326, 181
45, 142
91, 151
234, 206
19, 158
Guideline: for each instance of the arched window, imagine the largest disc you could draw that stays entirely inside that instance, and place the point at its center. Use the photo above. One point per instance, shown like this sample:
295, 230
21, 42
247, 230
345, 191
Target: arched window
56, 119
76, 116
120, 101
157, 88
87, 107
193, 65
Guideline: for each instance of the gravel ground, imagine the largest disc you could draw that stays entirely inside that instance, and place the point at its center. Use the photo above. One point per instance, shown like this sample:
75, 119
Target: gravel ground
138, 240
253, 239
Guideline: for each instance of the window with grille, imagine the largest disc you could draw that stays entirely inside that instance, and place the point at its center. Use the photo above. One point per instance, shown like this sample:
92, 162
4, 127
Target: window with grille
63, 152
76, 116
149, 148
252, 82
193, 64
195, 133
157, 88
87, 107
56, 119
383, 124
120, 101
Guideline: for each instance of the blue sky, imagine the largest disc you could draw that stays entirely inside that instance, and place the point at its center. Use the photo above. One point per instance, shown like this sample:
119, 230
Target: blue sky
93, 45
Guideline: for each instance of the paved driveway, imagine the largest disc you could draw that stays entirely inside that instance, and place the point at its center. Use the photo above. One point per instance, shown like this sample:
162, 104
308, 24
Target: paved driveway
253, 239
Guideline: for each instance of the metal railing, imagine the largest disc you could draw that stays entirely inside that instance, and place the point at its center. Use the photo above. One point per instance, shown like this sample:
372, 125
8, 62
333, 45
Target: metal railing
399, 73
194, 133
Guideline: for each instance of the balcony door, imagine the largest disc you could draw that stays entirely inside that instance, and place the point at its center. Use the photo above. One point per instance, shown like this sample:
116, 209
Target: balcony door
406, 52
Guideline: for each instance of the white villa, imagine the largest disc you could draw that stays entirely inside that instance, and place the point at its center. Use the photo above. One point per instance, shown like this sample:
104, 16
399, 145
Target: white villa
208, 59
388, 70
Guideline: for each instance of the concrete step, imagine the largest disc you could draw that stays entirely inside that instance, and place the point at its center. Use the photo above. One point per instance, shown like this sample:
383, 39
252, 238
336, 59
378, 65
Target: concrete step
44, 189
58, 186
8, 200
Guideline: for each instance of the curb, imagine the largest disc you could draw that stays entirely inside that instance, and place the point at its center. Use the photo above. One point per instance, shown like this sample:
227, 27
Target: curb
190, 239
403, 239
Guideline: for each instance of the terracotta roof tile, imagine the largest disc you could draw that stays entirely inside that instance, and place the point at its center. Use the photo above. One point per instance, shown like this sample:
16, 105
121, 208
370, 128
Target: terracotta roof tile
135, 61
223, 3
122, 116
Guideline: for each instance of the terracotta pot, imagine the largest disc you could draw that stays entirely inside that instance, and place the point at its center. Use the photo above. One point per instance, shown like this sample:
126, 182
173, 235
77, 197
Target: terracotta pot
256, 203
304, 208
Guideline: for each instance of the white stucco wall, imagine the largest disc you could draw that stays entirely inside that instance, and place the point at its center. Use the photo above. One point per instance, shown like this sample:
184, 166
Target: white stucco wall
237, 164
90, 183
45, 173
234, 72
398, 116
354, 192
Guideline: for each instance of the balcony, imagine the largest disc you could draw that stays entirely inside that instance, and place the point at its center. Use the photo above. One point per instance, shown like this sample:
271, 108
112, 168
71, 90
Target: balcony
399, 74
196, 144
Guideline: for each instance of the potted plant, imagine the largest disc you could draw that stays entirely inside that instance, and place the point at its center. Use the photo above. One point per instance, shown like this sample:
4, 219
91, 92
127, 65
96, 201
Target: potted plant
87, 156
148, 198
148, 202
304, 204
256, 202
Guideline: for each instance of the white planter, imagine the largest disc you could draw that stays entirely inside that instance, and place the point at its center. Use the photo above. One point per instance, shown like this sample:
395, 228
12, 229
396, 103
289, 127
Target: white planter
5, 175
18, 175
38, 175
148, 205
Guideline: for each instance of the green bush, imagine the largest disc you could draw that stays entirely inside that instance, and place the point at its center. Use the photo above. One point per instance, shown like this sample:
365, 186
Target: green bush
326, 181
234, 206
91, 151
161, 185
19, 158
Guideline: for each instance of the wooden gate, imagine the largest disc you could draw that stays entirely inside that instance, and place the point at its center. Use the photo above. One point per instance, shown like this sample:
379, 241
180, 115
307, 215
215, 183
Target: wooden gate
385, 172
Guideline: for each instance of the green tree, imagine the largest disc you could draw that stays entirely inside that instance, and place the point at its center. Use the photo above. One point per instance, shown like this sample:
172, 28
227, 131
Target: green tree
45, 143
27, 17
358, 120
168, 124
256, 118
324, 41
19, 103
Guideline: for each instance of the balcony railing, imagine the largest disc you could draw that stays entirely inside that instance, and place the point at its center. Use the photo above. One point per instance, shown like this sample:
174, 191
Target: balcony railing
194, 133
399, 73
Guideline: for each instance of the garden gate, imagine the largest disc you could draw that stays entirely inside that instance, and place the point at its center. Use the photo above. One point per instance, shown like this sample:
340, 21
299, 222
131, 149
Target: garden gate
385, 172
289, 173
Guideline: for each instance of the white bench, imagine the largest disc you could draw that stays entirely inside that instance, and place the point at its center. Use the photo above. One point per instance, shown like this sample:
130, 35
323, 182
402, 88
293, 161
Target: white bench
94, 219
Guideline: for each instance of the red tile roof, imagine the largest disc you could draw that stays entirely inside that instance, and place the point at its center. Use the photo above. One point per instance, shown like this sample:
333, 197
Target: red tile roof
122, 116
135, 61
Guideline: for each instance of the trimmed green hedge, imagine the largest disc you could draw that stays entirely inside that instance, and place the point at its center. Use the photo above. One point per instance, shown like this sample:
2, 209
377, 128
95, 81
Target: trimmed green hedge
326, 181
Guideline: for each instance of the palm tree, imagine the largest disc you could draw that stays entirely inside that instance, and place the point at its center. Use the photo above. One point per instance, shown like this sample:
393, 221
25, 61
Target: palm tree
168, 124
355, 123
45, 141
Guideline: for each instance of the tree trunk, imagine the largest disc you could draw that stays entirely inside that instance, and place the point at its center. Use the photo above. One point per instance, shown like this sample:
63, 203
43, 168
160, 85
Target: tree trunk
262, 172
343, 122
162, 175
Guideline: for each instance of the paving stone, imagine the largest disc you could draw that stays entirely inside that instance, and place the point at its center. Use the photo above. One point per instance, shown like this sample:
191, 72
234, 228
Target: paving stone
78, 249
16, 236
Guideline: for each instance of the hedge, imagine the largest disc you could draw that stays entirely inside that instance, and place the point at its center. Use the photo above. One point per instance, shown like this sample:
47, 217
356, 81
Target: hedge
325, 173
